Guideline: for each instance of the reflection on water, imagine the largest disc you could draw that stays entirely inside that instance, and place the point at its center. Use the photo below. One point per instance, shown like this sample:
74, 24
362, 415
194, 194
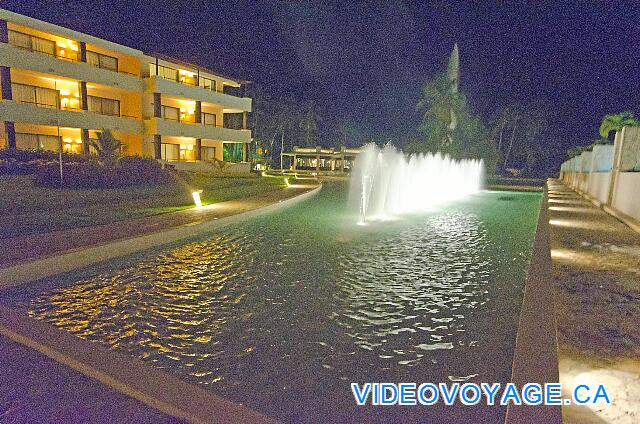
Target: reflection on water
284, 311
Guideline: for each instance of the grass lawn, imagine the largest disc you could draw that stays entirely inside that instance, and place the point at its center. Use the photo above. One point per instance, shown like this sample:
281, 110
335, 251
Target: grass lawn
27, 209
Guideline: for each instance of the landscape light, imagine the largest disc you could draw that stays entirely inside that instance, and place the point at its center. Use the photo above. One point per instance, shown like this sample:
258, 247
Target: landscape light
286, 181
196, 199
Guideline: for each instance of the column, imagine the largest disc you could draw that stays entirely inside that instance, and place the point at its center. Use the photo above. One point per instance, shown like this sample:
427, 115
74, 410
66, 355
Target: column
157, 105
244, 120
5, 80
85, 140
83, 51
198, 112
84, 105
4, 31
618, 145
157, 148
11, 134
84, 98
198, 148
244, 152
295, 161
317, 163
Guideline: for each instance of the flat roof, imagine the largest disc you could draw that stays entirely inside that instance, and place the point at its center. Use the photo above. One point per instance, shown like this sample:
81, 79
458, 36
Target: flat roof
43, 26
192, 65
37, 24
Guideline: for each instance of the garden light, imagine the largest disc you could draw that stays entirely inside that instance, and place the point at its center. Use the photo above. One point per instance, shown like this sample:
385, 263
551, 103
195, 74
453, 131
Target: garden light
196, 198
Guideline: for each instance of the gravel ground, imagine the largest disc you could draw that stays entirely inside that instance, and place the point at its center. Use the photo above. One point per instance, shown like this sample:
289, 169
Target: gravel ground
596, 267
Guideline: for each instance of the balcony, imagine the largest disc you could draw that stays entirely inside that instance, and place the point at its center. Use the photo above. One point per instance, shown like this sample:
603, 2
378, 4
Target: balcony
34, 60
182, 129
67, 117
159, 84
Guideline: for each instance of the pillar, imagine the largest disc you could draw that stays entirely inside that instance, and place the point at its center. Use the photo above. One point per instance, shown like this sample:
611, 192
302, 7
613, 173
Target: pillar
295, 162
83, 51
84, 98
198, 148
618, 145
157, 148
11, 134
85, 140
157, 105
5, 82
244, 152
318, 163
5, 77
244, 120
198, 112
4, 31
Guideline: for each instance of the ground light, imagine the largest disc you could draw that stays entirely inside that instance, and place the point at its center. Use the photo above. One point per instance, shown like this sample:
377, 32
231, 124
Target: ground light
196, 198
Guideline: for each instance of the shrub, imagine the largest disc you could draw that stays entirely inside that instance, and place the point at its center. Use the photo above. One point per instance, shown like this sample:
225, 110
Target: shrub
21, 162
127, 172
135, 170
75, 175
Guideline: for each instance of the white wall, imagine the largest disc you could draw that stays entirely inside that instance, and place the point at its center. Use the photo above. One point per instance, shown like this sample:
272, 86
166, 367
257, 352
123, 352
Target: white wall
606, 175
598, 185
626, 194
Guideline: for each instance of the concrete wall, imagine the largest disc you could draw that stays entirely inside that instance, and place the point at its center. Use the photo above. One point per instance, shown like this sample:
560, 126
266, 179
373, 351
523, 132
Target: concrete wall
610, 175
598, 185
626, 194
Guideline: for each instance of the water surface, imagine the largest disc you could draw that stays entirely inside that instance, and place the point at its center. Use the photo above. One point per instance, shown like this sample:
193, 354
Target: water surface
282, 312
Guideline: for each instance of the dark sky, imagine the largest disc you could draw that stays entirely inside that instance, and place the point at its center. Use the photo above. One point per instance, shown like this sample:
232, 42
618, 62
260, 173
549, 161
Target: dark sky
364, 62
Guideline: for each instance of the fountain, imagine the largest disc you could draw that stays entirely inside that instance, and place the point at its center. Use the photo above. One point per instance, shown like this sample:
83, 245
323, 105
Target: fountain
387, 183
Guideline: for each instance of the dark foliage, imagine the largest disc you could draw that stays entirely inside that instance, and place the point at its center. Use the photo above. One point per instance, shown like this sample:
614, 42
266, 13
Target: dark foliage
127, 171
25, 162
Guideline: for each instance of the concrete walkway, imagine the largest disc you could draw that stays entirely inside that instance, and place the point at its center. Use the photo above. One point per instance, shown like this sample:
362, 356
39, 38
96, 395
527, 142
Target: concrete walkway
36, 389
596, 268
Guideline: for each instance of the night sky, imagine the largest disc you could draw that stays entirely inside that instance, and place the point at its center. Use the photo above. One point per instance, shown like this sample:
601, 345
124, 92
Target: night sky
364, 63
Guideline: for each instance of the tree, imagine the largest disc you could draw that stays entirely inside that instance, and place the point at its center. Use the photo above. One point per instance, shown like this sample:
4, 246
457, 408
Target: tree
522, 135
308, 124
441, 107
616, 122
107, 147
281, 122
448, 125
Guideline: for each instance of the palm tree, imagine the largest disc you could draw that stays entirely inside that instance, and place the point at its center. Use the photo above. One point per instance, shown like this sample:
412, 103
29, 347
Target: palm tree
616, 123
107, 147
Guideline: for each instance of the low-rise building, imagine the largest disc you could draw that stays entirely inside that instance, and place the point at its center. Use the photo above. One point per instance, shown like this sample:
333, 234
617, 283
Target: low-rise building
61, 87
320, 159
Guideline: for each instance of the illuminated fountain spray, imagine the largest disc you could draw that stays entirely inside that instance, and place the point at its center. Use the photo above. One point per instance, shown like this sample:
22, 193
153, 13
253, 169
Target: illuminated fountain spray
387, 183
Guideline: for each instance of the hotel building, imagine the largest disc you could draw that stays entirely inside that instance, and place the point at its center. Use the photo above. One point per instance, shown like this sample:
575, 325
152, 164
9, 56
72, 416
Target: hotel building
61, 87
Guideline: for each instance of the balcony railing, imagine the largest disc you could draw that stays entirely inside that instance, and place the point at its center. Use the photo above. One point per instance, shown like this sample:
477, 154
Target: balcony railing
39, 45
107, 62
52, 99
190, 78
175, 114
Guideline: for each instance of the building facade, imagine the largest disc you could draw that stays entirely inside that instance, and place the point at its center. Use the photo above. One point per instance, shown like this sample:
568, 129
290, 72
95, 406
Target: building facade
60, 88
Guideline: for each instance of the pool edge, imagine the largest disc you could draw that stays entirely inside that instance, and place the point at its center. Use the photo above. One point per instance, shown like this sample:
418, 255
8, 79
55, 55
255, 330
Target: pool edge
129, 376
63, 262
535, 357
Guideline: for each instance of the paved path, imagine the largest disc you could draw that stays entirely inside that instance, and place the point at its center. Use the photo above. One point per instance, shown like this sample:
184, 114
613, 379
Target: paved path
21, 249
36, 389
596, 267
